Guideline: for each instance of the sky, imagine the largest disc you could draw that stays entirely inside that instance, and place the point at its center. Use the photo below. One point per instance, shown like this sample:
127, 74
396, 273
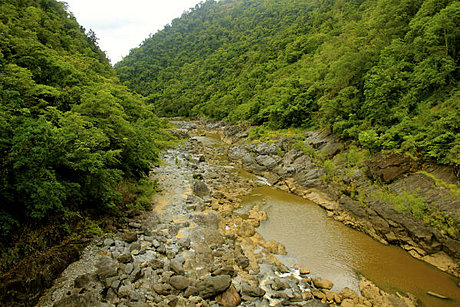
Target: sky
121, 25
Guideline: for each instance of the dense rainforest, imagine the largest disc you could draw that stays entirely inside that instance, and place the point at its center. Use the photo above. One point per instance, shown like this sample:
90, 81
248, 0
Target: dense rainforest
381, 73
72, 138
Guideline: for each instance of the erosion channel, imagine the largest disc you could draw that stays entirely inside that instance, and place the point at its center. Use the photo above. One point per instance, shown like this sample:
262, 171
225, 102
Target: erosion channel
220, 235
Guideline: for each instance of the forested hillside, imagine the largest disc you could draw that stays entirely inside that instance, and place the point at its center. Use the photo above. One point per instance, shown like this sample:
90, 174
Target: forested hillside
72, 139
381, 73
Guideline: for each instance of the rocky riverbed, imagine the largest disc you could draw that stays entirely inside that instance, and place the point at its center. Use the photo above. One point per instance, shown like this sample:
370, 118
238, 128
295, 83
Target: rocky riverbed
193, 249
376, 198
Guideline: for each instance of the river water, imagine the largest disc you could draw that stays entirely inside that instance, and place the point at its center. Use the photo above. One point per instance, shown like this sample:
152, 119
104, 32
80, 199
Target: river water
336, 252
331, 250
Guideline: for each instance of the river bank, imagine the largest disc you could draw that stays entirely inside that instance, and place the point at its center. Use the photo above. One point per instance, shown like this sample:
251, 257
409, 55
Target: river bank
388, 196
193, 249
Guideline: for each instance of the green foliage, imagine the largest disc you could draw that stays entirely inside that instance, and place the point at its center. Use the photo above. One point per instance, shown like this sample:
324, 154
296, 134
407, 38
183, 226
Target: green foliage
381, 72
418, 207
70, 133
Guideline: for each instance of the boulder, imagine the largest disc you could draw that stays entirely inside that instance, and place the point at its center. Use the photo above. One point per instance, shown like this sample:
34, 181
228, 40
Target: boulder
179, 282
125, 258
130, 236
213, 285
252, 291
322, 283
229, 298
242, 261
279, 285
200, 189
162, 289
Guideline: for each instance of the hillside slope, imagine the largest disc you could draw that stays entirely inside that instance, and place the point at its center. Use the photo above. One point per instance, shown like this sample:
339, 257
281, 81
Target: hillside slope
382, 73
72, 139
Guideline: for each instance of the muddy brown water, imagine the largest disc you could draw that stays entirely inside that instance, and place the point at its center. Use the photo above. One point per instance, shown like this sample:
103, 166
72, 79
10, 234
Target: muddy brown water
336, 252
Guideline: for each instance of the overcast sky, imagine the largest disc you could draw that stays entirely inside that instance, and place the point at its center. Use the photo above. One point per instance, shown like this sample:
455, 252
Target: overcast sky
123, 24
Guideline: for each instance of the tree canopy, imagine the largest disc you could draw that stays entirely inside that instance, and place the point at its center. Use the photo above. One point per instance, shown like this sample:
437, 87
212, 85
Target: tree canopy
382, 73
70, 133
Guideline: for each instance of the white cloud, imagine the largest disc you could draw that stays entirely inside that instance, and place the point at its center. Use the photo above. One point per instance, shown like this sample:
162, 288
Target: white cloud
122, 25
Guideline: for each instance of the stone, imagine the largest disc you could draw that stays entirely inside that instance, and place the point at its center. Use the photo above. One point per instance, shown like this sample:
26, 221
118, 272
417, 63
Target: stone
304, 271
213, 285
225, 270
162, 289
130, 236
191, 291
229, 298
201, 189
279, 285
347, 293
125, 258
179, 282
318, 294
89, 298
252, 291
105, 272
156, 264
242, 261
115, 284
109, 242
176, 266
129, 268
123, 291
134, 225
83, 280
137, 274
322, 283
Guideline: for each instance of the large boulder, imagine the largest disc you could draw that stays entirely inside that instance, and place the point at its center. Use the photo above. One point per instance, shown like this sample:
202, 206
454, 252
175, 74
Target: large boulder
214, 285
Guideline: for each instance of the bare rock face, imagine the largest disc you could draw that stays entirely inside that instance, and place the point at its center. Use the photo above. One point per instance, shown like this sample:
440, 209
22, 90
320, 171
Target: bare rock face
387, 168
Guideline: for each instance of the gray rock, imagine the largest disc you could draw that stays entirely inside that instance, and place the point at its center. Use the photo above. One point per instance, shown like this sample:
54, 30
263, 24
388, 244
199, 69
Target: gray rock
225, 270
83, 280
136, 275
176, 266
89, 298
242, 261
123, 291
201, 189
115, 284
129, 268
125, 258
266, 161
162, 289
278, 285
191, 291
130, 236
214, 285
134, 246
179, 282
109, 242
252, 291
156, 264
135, 225
106, 271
